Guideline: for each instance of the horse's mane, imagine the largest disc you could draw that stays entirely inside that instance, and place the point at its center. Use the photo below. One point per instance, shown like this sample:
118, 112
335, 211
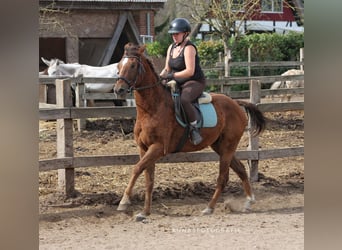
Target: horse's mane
137, 50
152, 66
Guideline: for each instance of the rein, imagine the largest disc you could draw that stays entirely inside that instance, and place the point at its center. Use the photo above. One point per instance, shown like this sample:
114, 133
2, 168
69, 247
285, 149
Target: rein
141, 70
145, 87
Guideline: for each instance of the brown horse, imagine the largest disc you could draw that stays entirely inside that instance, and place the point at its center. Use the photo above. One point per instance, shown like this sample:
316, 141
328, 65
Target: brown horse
157, 132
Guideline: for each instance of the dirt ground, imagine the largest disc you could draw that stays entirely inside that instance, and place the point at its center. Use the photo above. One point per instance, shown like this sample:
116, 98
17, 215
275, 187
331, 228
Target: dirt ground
181, 192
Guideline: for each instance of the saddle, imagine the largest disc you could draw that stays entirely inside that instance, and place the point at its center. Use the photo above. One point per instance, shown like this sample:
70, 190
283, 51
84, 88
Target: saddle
205, 115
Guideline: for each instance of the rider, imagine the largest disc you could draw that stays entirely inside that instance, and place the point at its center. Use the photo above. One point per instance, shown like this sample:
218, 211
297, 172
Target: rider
183, 65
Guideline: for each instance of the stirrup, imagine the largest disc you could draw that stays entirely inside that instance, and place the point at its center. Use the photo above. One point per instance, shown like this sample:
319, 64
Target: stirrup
196, 137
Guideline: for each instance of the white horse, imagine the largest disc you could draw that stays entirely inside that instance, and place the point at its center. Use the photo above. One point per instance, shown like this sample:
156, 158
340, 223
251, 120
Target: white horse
289, 83
57, 67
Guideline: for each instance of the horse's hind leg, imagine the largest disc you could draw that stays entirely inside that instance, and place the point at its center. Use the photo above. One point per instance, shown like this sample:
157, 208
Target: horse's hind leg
240, 170
221, 182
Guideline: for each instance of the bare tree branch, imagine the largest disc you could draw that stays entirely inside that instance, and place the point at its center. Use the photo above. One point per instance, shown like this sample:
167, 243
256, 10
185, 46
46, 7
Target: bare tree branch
49, 19
227, 17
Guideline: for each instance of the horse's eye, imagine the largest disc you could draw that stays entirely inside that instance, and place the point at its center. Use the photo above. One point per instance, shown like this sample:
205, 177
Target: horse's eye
133, 66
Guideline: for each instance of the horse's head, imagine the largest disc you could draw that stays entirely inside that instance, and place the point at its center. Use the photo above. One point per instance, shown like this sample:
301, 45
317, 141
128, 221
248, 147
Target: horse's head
130, 68
53, 66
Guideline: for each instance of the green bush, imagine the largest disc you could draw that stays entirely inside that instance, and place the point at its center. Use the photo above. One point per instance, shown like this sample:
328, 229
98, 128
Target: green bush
264, 47
268, 47
208, 52
154, 49
159, 47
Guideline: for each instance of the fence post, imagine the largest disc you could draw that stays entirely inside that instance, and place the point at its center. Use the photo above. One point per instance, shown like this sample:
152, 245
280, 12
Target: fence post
79, 102
301, 57
42, 93
220, 57
64, 128
226, 89
227, 58
255, 95
249, 62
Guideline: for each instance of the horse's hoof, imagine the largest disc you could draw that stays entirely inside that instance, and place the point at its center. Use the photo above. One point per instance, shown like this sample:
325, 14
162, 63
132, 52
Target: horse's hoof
123, 207
246, 210
251, 199
207, 211
248, 203
141, 217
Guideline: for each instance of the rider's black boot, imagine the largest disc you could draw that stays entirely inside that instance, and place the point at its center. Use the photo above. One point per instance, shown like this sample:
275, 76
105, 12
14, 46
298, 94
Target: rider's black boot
196, 138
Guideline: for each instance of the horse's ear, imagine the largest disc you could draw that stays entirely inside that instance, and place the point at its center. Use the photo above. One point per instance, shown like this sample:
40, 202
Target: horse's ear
45, 61
128, 46
142, 48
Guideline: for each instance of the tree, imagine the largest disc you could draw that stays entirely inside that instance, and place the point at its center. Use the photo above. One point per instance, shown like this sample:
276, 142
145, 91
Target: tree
49, 19
227, 18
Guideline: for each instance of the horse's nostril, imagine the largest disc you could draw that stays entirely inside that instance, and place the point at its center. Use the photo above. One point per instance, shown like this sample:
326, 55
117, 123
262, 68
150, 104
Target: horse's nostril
120, 91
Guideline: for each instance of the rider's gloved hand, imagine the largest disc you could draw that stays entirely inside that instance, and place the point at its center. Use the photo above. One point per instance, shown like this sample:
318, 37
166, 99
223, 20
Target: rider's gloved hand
170, 76
163, 74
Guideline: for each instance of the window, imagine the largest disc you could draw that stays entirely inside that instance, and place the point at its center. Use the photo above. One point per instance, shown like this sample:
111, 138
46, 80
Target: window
272, 5
232, 5
238, 5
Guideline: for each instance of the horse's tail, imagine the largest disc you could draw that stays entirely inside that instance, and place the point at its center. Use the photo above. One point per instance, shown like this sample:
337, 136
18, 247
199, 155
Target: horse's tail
258, 120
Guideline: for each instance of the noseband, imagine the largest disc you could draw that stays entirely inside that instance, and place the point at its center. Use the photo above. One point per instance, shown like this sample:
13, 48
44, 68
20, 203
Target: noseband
132, 83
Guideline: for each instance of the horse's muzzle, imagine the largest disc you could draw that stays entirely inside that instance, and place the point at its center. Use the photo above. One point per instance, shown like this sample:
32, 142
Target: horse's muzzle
120, 91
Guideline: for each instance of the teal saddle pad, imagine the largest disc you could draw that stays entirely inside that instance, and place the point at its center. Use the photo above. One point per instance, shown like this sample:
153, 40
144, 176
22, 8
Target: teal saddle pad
209, 116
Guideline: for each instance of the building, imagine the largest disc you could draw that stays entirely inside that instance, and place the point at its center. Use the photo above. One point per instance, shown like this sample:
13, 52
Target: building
276, 16
94, 32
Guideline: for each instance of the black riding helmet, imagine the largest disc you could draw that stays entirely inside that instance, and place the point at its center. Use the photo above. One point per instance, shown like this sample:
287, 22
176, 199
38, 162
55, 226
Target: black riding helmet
180, 25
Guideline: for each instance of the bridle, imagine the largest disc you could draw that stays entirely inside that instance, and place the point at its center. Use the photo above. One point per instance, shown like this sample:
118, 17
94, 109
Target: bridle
131, 83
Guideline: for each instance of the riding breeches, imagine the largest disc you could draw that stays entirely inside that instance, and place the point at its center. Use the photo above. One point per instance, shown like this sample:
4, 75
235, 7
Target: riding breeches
190, 91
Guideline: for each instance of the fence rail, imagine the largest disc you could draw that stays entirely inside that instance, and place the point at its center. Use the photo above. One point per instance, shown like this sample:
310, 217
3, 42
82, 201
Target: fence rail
220, 65
66, 162
131, 159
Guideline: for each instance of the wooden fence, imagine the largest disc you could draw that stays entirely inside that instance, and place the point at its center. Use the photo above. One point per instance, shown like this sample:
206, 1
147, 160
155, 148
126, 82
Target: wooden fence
225, 80
224, 66
64, 113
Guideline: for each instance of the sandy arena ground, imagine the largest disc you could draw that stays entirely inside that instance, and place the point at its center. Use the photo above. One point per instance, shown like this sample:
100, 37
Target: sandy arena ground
90, 221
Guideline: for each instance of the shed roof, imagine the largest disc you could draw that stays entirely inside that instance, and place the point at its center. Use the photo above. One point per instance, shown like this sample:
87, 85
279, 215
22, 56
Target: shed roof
105, 4
110, 1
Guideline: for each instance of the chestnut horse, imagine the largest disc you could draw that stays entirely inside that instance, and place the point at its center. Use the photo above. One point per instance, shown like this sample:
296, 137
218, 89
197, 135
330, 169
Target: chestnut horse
158, 133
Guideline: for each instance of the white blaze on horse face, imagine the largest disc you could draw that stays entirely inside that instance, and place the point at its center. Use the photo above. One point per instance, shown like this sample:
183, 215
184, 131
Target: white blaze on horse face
125, 60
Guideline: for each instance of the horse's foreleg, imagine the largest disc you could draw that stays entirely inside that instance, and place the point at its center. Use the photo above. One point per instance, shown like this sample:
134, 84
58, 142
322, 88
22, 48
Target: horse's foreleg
125, 201
147, 162
240, 170
149, 182
221, 183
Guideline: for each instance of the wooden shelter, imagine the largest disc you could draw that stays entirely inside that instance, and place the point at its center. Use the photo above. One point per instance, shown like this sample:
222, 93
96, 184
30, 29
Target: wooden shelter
94, 32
